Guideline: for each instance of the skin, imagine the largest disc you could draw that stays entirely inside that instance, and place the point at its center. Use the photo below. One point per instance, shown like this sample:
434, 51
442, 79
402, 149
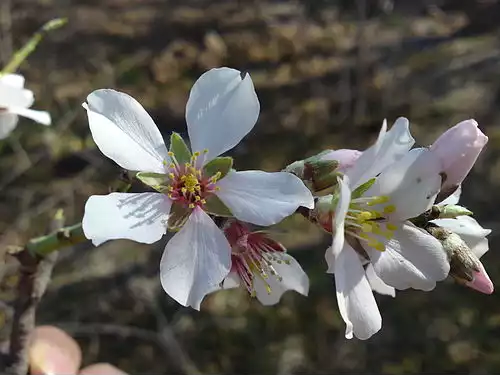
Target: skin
53, 351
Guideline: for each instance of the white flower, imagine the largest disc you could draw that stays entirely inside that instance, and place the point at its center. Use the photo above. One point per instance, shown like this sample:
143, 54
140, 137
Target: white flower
387, 185
15, 101
474, 236
261, 265
222, 108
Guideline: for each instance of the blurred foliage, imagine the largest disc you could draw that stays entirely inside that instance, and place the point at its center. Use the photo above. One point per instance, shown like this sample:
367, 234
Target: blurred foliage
327, 73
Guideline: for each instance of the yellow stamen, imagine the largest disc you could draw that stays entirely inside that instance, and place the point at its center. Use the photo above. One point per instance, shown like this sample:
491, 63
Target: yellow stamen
171, 175
367, 227
191, 205
363, 216
378, 200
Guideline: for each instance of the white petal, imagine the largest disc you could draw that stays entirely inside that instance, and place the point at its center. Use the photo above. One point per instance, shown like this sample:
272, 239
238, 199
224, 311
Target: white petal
411, 183
263, 198
222, 109
231, 281
41, 117
195, 261
338, 224
469, 230
294, 278
8, 122
124, 132
453, 198
135, 216
377, 284
14, 80
357, 304
412, 259
11, 96
390, 147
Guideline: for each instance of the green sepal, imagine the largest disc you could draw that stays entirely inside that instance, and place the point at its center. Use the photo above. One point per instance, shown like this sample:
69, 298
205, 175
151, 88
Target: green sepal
335, 201
363, 188
180, 149
451, 211
179, 213
222, 164
216, 207
157, 181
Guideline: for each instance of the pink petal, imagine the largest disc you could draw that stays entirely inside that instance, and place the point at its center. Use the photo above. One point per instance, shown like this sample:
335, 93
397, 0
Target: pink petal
457, 150
481, 282
346, 157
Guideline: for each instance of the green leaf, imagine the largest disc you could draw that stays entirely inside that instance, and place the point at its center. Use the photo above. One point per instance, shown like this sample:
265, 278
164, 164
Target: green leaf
179, 213
215, 207
363, 188
156, 180
221, 164
180, 149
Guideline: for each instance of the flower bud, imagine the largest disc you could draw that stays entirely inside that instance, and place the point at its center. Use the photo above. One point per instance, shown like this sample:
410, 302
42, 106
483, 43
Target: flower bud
465, 266
457, 150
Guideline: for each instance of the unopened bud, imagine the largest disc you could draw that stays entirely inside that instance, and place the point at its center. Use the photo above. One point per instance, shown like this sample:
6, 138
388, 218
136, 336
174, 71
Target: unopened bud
322, 213
465, 266
452, 211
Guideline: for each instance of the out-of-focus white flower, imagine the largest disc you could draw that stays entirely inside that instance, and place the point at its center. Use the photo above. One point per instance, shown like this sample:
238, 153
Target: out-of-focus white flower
15, 101
222, 108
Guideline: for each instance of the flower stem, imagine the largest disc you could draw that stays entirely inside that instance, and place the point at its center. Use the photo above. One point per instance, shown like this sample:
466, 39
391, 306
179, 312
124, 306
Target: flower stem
67, 236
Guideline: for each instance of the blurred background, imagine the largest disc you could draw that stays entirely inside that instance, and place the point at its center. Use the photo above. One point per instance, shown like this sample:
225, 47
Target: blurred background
327, 73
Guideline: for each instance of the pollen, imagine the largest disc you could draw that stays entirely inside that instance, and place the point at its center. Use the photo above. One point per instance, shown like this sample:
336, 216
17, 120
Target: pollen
391, 227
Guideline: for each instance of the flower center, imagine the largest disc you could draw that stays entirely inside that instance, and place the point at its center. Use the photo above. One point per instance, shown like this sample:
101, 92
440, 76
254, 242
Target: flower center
253, 255
370, 225
188, 183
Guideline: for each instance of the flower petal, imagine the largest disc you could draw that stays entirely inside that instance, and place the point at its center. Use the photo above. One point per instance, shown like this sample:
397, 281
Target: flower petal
196, 260
232, 280
135, 216
473, 234
124, 131
263, 198
41, 117
481, 282
338, 224
14, 80
293, 278
390, 147
412, 259
222, 108
453, 198
377, 284
346, 158
11, 96
8, 122
411, 183
457, 150
357, 304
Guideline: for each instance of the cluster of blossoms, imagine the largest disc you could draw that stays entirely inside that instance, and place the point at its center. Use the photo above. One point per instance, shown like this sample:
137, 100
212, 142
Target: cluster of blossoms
392, 211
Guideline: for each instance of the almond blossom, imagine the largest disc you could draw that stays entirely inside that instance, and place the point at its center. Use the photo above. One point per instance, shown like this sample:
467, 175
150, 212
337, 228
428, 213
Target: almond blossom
222, 108
15, 101
386, 186
261, 265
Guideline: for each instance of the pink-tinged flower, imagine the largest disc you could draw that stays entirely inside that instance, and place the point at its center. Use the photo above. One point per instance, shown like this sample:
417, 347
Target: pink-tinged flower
261, 265
474, 236
345, 157
387, 185
15, 101
457, 150
222, 108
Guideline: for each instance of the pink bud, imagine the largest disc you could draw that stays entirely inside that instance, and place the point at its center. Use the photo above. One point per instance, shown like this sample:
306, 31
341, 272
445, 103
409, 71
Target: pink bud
458, 149
481, 281
346, 157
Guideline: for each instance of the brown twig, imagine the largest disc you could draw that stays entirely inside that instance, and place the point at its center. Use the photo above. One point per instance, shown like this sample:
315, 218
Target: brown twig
35, 273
